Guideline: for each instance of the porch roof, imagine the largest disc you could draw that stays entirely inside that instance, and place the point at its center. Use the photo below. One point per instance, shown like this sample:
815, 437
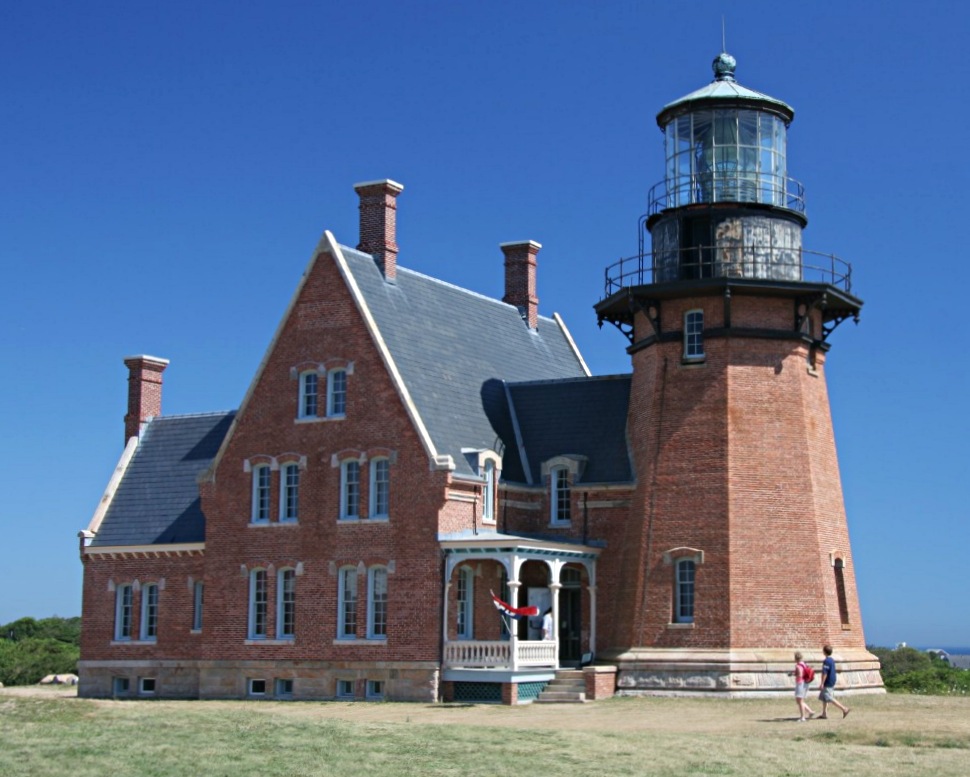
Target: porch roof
469, 543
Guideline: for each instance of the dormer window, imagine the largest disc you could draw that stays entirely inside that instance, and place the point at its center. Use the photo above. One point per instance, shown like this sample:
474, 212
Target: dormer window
560, 496
488, 492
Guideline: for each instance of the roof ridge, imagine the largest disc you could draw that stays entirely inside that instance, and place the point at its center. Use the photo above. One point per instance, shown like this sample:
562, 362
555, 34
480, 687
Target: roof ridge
211, 413
440, 282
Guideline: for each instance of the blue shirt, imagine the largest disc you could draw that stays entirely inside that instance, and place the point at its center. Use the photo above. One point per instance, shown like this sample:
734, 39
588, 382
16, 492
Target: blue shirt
828, 669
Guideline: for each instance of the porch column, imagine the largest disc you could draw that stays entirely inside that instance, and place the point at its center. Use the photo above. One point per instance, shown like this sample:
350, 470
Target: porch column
444, 615
592, 619
554, 588
514, 586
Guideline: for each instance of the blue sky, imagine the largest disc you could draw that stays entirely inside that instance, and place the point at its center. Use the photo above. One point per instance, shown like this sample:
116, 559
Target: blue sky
167, 169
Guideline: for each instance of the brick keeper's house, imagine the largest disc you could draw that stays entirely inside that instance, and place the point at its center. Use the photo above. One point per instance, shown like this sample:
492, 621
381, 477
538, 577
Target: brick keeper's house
407, 449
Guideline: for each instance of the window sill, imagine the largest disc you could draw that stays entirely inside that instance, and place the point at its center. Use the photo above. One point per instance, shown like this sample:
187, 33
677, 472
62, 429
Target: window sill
316, 419
378, 519
357, 641
260, 641
677, 626
136, 642
261, 524
560, 524
693, 362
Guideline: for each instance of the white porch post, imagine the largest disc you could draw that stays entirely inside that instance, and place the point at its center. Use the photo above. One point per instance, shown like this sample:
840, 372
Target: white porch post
591, 573
444, 615
513, 635
554, 588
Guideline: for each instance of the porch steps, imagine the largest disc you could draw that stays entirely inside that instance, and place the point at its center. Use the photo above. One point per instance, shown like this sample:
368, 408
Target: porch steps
568, 687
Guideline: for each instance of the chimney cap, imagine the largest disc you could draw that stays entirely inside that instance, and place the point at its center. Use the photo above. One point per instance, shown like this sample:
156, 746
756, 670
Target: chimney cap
146, 358
516, 243
394, 186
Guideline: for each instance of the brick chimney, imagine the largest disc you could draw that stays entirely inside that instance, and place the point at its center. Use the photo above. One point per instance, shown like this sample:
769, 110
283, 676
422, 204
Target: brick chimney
520, 279
144, 391
378, 223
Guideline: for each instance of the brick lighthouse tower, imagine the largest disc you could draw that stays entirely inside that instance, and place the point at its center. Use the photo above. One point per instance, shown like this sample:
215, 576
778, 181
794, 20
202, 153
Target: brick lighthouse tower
736, 552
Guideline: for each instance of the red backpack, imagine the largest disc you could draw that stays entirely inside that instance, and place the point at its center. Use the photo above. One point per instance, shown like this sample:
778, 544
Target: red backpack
808, 674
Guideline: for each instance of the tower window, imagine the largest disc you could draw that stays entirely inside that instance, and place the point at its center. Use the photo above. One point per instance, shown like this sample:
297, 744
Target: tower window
560, 495
684, 571
694, 335
840, 591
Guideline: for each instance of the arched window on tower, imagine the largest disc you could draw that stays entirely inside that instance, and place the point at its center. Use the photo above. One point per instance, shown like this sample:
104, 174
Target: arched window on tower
839, 565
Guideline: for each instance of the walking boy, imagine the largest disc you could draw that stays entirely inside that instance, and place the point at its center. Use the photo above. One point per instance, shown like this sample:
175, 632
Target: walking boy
827, 694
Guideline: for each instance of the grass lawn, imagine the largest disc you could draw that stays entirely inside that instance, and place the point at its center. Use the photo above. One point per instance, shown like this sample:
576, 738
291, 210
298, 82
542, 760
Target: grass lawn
51, 732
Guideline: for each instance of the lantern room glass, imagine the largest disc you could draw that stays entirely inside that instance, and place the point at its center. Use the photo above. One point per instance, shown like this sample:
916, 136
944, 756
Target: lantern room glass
726, 155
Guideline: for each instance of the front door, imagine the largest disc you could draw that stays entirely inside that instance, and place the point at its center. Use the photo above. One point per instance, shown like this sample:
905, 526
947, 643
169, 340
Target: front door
570, 621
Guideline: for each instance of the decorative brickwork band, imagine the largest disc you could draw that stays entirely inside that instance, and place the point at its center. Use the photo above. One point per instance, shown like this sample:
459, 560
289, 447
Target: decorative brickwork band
378, 223
520, 279
144, 391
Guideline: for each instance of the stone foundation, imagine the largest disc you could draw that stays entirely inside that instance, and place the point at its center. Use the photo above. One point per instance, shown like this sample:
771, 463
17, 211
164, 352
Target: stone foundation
745, 673
289, 680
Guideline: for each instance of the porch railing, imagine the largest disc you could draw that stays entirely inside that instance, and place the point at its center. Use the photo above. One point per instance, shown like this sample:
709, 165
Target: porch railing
480, 654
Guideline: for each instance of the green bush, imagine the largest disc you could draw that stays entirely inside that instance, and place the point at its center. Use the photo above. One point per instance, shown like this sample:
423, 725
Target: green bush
26, 661
907, 670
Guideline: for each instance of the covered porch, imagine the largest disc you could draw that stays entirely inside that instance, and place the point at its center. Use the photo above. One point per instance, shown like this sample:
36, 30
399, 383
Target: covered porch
480, 643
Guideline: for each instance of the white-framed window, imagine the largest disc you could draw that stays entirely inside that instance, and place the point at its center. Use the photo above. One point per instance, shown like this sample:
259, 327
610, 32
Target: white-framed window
261, 477
146, 686
289, 493
380, 487
560, 495
694, 335
123, 612
684, 570
350, 489
488, 492
345, 689
347, 603
308, 394
284, 687
148, 630
375, 689
377, 603
337, 392
465, 596
286, 604
198, 593
257, 604
256, 687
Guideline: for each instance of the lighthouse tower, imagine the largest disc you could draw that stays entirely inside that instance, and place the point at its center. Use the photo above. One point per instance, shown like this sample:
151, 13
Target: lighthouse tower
736, 552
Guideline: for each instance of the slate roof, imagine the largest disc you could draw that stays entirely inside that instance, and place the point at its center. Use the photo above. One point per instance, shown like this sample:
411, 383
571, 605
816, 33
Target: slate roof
157, 500
451, 344
581, 417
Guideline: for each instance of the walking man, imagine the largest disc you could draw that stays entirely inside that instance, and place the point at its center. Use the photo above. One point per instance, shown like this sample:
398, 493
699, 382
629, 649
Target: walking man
827, 694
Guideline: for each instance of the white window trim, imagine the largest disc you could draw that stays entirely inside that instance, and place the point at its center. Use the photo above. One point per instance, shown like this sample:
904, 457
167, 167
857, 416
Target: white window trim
251, 625
285, 469
249, 687
143, 689
373, 512
344, 487
331, 377
280, 620
556, 495
148, 592
123, 628
465, 625
371, 602
342, 633
303, 395
678, 564
257, 471
489, 470
689, 333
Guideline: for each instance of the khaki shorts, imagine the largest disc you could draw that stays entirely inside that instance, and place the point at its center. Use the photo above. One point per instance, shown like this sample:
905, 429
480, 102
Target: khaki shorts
826, 694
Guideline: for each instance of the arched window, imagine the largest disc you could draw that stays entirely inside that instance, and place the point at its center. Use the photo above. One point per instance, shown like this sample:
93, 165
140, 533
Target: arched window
684, 570
257, 604
347, 603
377, 603
465, 596
286, 603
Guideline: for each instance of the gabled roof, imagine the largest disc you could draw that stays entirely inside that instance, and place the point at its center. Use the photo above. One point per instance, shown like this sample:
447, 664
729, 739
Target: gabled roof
157, 500
583, 417
449, 344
